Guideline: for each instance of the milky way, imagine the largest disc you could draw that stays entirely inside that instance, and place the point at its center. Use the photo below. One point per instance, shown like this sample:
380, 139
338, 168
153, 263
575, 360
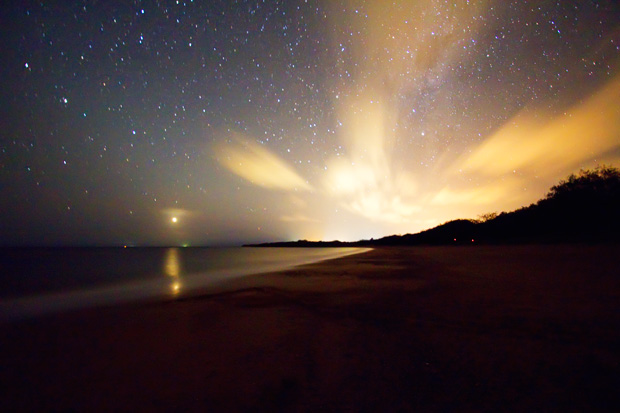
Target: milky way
275, 120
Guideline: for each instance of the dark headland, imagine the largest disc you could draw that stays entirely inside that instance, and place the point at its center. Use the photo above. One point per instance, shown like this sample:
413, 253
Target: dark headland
496, 327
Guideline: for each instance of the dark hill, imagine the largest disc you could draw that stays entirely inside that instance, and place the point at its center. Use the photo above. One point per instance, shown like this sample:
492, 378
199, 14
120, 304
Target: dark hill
582, 208
457, 231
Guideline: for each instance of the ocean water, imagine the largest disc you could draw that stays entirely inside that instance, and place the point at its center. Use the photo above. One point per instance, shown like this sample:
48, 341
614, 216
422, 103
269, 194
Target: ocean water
39, 281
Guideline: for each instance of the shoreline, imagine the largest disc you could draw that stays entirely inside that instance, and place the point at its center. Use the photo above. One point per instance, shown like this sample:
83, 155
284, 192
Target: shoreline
410, 328
157, 288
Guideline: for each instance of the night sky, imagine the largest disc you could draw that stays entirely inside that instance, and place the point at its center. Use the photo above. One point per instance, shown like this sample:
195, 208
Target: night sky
223, 122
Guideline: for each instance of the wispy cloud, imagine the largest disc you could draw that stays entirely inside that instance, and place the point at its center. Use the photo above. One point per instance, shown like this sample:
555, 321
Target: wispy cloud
369, 183
297, 218
365, 180
534, 150
259, 166
583, 132
399, 38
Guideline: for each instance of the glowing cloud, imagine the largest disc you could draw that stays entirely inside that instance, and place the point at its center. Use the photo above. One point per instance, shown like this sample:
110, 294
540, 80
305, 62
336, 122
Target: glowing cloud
257, 165
402, 56
500, 170
297, 218
402, 51
365, 181
585, 131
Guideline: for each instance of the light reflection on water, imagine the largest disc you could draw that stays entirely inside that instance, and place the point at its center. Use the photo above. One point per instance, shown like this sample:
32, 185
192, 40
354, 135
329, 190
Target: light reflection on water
172, 268
81, 278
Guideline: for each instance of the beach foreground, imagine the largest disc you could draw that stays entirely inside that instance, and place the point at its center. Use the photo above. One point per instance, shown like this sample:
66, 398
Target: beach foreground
420, 328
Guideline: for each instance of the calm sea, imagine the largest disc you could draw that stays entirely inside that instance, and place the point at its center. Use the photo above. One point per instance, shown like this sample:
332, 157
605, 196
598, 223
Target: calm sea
37, 281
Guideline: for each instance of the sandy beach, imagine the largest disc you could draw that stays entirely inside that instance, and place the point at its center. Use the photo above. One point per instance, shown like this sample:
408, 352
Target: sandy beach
483, 328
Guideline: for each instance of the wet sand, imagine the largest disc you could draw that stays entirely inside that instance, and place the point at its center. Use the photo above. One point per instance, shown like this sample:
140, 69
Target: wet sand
510, 328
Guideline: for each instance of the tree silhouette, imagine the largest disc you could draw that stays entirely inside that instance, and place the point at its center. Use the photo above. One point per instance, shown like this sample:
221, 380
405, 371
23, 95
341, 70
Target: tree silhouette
582, 207
602, 181
486, 217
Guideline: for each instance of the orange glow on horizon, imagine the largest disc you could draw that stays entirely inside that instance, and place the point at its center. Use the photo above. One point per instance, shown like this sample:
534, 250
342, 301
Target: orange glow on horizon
370, 188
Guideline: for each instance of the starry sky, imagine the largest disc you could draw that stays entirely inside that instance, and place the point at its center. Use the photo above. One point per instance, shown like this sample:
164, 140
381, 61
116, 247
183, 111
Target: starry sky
225, 122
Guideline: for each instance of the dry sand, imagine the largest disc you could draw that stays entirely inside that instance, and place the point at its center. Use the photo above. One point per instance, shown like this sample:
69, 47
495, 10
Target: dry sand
519, 328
